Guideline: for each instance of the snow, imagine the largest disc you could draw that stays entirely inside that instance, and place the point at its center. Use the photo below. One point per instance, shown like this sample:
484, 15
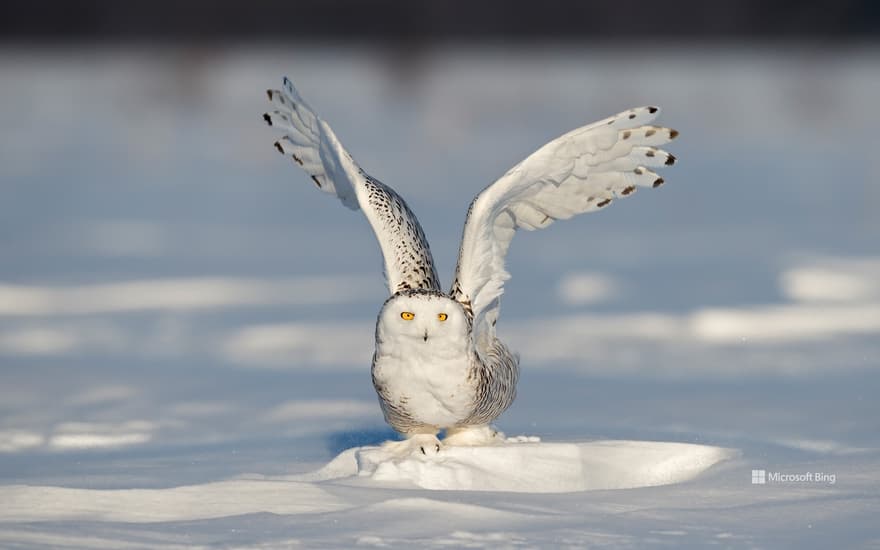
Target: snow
519, 467
209, 500
170, 294
531, 467
186, 326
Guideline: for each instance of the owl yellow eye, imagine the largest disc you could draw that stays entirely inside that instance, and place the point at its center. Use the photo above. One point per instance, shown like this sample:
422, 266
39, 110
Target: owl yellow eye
407, 315
442, 316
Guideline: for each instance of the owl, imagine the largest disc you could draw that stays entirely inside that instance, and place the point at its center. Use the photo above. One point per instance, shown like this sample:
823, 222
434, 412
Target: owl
438, 365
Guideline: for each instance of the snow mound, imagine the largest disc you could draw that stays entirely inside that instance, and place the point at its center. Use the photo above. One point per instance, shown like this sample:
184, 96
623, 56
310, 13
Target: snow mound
522, 465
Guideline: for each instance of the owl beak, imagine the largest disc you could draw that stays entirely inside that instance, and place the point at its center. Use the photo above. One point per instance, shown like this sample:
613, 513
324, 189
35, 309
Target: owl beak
426, 336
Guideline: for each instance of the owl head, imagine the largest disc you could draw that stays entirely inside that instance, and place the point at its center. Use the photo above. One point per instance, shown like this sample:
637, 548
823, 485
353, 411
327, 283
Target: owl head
425, 317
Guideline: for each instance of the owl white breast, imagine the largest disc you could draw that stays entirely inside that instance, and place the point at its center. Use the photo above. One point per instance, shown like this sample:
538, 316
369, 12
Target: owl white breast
424, 361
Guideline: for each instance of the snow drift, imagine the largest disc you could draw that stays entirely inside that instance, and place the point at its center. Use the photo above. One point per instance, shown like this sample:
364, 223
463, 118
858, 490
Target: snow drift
522, 465
525, 465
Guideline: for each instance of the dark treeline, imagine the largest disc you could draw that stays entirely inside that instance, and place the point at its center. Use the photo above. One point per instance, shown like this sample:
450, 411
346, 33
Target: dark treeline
409, 21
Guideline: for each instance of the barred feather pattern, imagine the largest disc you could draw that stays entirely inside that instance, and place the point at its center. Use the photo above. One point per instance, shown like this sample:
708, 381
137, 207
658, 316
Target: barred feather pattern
410, 252
496, 383
310, 142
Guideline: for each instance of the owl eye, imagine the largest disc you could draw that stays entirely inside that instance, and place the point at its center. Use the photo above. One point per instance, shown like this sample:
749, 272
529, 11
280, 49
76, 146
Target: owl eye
442, 316
407, 315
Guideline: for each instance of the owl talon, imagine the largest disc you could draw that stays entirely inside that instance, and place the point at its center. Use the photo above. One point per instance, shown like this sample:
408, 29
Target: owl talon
436, 448
426, 444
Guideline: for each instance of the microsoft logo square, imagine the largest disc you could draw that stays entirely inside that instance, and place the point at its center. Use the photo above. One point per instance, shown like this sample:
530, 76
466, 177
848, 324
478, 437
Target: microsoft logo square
759, 477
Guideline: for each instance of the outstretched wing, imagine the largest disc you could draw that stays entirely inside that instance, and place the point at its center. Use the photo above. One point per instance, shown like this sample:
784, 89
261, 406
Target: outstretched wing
311, 144
581, 171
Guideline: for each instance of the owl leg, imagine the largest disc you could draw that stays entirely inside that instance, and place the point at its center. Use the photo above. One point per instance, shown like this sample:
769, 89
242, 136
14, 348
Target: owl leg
419, 443
483, 434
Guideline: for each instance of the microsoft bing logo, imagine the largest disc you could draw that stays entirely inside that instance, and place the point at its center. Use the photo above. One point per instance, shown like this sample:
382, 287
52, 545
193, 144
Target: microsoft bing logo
763, 477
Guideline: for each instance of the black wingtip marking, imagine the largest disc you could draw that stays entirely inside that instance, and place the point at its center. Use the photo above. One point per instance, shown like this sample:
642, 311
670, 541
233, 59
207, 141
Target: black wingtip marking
267, 118
652, 110
298, 161
278, 146
650, 153
658, 182
318, 183
626, 134
650, 132
670, 160
673, 134
628, 190
606, 202
632, 116
269, 93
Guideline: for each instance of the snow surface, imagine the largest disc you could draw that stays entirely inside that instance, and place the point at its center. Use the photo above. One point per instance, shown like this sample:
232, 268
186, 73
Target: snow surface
186, 326
532, 467
526, 467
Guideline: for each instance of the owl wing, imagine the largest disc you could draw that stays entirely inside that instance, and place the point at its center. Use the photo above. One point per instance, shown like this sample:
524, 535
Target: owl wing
581, 171
311, 143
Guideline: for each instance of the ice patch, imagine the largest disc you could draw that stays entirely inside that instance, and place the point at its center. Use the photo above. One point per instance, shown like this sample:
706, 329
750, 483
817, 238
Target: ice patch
834, 280
528, 467
183, 294
578, 289
84, 435
786, 323
18, 440
59, 339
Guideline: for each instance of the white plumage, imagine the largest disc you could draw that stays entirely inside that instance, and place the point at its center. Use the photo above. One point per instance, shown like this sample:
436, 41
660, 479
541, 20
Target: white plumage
438, 364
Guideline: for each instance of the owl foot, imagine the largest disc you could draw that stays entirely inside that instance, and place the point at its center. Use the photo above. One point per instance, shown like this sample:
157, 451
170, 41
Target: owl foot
424, 444
473, 436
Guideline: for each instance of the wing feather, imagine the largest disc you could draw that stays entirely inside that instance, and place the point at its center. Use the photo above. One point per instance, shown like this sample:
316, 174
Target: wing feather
581, 171
312, 145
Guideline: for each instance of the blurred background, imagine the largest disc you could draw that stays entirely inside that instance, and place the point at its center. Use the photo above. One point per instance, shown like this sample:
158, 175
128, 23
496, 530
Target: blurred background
175, 297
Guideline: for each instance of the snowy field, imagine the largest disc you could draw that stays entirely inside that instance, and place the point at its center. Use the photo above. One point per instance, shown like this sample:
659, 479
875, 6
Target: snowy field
186, 324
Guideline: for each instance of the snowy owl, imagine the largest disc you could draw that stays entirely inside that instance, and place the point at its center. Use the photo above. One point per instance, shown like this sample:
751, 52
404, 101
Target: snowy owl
438, 365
